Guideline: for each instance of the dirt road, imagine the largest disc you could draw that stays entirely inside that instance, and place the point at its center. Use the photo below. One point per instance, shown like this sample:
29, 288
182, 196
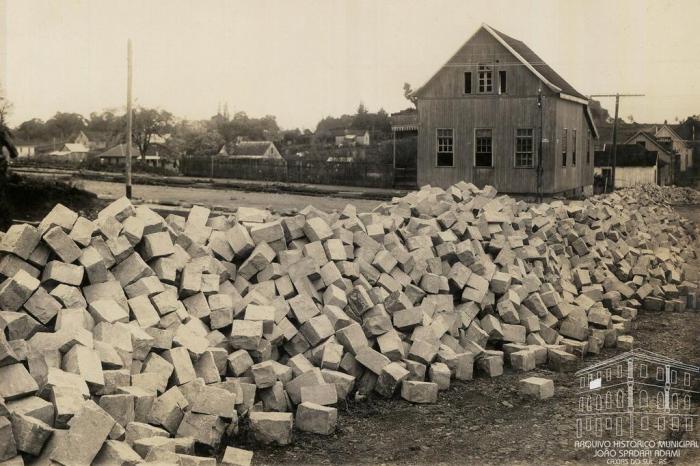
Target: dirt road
225, 198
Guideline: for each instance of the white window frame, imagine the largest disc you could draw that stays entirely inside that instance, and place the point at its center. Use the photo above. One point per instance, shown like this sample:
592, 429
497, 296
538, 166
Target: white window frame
533, 151
475, 148
484, 78
437, 147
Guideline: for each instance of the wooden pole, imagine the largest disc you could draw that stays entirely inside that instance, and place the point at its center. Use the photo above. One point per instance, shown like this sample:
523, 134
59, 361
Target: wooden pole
129, 58
614, 144
393, 133
539, 151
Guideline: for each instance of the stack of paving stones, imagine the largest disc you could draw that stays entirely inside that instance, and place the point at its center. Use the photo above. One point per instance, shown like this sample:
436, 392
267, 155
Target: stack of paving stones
136, 338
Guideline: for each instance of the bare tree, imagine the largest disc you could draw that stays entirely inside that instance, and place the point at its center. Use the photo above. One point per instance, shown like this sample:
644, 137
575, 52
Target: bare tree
5, 108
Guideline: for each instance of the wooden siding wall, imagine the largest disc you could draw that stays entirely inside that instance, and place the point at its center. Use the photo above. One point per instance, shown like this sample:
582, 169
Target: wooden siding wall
503, 116
443, 104
570, 115
631, 176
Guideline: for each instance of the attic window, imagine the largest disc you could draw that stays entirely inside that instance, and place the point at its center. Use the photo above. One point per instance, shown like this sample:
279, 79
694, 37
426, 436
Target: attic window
485, 79
502, 83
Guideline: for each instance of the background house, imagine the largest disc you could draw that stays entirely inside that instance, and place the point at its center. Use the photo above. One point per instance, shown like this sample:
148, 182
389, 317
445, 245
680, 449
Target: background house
480, 121
116, 155
351, 137
635, 165
251, 150
73, 152
25, 149
668, 138
666, 157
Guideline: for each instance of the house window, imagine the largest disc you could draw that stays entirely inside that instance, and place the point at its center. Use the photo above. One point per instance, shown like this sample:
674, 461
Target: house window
608, 374
445, 147
660, 401
686, 379
643, 370
564, 149
689, 424
608, 423
483, 155
468, 82
524, 148
645, 422
583, 382
660, 373
588, 149
502, 82
661, 423
674, 376
573, 148
643, 399
485, 79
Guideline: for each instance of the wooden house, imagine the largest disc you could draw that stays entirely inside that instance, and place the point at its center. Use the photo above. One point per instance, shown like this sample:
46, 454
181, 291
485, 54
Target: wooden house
669, 138
251, 150
481, 117
668, 159
634, 165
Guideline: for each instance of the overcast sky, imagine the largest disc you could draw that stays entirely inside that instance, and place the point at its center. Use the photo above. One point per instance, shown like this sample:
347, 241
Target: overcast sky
302, 60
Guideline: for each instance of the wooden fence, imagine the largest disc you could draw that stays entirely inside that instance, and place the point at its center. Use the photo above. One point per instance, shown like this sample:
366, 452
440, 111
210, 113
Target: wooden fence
371, 175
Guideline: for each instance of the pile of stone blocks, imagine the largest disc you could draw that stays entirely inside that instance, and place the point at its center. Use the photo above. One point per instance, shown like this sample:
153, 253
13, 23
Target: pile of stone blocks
132, 337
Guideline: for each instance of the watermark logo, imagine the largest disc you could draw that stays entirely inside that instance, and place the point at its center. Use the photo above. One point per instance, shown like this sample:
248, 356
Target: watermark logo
636, 407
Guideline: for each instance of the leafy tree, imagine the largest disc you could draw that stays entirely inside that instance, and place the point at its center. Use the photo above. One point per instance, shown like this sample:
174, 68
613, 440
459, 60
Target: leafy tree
148, 122
600, 115
32, 130
107, 122
64, 125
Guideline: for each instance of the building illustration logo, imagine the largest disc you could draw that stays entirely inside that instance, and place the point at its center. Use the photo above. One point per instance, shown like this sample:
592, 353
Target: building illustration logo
634, 393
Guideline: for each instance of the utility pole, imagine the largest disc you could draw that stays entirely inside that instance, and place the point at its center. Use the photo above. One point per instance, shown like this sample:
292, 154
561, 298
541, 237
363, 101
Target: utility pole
539, 149
129, 59
614, 134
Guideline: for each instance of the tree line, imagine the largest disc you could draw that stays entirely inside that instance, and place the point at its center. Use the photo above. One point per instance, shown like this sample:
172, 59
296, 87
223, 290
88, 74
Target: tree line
195, 137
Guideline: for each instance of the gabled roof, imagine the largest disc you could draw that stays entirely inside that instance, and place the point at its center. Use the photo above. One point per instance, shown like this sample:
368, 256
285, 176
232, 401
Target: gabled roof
651, 139
249, 149
73, 147
535, 64
532, 61
120, 151
674, 134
